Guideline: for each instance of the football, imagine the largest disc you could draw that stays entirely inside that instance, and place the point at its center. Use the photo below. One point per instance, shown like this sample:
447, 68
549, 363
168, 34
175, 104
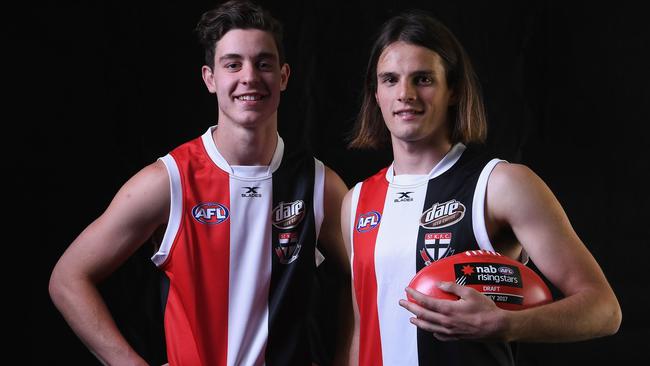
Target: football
510, 284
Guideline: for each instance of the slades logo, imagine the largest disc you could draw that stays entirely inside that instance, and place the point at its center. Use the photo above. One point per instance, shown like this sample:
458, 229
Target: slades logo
442, 214
403, 197
368, 221
288, 215
210, 213
251, 192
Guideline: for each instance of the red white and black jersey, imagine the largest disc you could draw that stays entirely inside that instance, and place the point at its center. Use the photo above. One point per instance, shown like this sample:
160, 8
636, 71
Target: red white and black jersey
399, 225
239, 252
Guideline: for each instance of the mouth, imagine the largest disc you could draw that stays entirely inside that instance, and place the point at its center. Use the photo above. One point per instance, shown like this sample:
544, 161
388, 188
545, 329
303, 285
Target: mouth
250, 97
408, 113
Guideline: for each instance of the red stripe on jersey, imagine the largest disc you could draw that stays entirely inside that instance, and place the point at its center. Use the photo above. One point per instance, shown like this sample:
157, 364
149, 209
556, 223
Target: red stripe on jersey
196, 313
371, 199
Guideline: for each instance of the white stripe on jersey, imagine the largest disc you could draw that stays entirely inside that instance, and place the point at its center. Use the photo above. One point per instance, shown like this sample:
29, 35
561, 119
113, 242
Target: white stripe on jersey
395, 265
354, 201
319, 206
175, 214
478, 207
247, 308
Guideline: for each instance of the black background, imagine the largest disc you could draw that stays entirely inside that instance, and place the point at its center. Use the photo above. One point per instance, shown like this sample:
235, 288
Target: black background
111, 86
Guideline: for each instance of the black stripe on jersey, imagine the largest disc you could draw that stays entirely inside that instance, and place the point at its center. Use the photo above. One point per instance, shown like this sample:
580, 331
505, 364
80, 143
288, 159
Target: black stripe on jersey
291, 279
458, 183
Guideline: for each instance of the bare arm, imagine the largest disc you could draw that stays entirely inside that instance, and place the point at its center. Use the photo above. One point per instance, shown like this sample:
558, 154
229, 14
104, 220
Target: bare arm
518, 198
332, 241
345, 228
139, 207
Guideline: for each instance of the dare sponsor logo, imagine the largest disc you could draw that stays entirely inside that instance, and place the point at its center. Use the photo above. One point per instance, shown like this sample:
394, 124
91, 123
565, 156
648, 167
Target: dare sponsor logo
288, 215
210, 213
442, 214
368, 221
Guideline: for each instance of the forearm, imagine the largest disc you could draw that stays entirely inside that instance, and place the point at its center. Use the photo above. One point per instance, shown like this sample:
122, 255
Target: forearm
84, 310
582, 316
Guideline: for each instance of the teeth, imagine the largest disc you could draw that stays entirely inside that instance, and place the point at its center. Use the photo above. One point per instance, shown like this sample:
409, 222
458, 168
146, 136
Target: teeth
249, 97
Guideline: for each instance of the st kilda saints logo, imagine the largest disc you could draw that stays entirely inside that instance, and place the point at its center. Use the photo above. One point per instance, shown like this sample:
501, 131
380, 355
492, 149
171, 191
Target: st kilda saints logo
288, 247
436, 246
210, 213
442, 215
288, 215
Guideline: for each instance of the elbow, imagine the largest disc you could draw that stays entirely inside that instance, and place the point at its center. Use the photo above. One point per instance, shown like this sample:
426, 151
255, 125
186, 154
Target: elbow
610, 316
56, 285
61, 285
615, 319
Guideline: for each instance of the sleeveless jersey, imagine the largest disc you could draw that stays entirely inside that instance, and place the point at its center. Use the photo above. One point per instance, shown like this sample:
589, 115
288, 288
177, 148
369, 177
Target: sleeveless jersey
239, 252
399, 225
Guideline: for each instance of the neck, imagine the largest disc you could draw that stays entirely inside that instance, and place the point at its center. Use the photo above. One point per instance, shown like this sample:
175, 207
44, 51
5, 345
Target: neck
418, 158
246, 146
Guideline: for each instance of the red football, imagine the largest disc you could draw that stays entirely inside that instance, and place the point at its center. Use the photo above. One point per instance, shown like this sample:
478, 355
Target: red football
510, 284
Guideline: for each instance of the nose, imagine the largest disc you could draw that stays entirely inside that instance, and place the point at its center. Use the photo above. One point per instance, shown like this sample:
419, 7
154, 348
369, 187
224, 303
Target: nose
249, 74
406, 92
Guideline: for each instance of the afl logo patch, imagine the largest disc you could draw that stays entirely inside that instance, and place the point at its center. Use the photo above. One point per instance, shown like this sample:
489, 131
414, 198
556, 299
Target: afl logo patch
288, 215
442, 215
368, 221
210, 213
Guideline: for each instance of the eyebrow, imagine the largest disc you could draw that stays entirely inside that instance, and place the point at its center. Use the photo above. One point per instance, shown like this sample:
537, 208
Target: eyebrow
385, 74
236, 56
414, 73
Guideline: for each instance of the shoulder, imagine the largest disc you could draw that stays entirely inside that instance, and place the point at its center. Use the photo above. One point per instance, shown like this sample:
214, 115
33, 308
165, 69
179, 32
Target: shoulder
506, 176
335, 188
514, 191
149, 184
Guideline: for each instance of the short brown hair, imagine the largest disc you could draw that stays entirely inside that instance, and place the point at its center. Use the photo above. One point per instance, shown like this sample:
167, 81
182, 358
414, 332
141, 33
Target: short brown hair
236, 14
420, 29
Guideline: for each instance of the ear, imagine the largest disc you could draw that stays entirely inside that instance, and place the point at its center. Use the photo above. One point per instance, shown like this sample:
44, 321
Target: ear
285, 71
208, 78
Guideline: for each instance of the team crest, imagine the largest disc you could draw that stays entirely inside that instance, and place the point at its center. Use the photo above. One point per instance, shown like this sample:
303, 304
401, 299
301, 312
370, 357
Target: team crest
210, 213
436, 246
288, 247
442, 215
368, 221
288, 215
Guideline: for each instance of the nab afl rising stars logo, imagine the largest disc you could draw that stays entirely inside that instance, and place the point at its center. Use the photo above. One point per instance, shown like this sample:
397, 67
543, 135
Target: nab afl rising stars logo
288, 216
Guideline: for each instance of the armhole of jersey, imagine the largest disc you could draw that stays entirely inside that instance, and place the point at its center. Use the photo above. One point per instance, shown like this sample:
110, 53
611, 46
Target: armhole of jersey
319, 204
478, 207
175, 211
354, 201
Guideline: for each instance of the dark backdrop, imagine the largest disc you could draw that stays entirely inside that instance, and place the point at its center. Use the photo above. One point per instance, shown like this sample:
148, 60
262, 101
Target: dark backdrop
113, 85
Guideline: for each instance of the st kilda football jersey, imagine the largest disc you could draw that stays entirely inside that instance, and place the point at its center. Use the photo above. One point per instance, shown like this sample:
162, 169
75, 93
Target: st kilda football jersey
239, 252
399, 225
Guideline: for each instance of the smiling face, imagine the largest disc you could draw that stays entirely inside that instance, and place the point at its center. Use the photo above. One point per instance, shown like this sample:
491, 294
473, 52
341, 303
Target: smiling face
412, 94
247, 78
